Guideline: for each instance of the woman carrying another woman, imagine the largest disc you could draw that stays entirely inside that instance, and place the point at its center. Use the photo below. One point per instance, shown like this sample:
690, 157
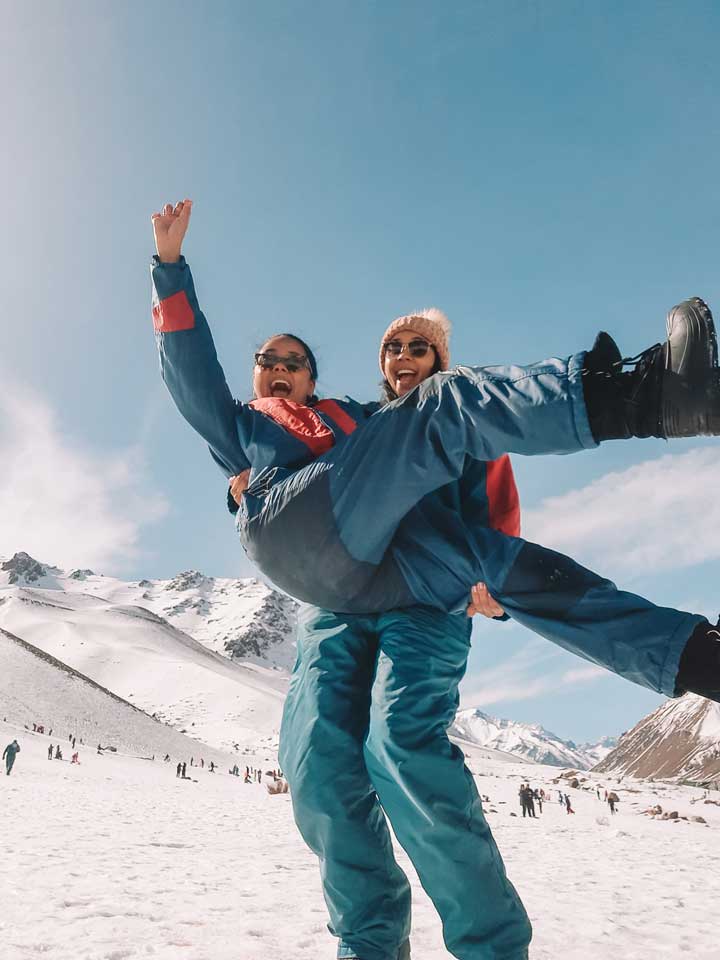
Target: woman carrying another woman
346, 508
330, 513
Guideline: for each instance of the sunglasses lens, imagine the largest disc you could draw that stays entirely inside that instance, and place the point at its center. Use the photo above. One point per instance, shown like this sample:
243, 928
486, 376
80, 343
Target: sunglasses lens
416, 348
268, 360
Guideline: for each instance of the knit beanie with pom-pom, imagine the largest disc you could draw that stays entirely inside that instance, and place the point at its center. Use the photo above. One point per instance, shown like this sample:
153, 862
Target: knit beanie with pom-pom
432, 324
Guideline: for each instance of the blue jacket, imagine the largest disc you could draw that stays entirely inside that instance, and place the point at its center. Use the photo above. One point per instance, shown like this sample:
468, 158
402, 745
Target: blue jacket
275, 437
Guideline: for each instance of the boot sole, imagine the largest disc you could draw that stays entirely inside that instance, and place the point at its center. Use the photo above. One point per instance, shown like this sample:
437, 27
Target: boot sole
695, 348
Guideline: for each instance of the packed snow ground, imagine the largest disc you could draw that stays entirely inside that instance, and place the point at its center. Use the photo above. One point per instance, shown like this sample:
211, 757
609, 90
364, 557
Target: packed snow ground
117, 859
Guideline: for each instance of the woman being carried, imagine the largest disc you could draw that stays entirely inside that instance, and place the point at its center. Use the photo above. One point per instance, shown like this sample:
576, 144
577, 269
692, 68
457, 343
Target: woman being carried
338, 483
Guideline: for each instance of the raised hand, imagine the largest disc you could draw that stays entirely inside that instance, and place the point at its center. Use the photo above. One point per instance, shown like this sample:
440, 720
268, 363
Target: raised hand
169, 227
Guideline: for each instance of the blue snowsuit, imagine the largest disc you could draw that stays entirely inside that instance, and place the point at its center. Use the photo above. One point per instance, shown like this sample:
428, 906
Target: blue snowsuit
9, 754
348, 498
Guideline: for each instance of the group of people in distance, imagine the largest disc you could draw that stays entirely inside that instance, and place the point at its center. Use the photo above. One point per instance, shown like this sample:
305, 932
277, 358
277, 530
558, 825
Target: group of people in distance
392, 521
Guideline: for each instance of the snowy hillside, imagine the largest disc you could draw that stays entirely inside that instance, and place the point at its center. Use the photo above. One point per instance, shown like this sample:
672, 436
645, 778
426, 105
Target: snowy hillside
149, 662
529, 741
36, 688
679, 740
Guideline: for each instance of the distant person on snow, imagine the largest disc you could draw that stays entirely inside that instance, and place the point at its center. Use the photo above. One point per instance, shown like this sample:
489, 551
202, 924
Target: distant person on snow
184, 770
568, 806
50, 751
58, 752
9, 754
178, 770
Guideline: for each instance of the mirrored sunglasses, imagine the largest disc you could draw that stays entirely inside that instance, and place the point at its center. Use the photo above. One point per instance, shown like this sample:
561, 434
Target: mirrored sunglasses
415, 348
292, 362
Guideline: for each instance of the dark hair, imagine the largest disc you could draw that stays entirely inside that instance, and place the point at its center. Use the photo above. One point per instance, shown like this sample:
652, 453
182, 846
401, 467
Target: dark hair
308, 352
387, 394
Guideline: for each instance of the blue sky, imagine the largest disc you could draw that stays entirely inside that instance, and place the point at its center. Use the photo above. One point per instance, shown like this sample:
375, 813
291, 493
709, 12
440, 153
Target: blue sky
538, 170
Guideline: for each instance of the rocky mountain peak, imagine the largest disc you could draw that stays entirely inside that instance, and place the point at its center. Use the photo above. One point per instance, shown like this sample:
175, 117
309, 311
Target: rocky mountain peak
22, 568
679, 740
187, 580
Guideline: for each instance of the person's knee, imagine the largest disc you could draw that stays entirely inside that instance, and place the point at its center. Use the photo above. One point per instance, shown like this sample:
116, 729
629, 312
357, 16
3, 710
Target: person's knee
320, 749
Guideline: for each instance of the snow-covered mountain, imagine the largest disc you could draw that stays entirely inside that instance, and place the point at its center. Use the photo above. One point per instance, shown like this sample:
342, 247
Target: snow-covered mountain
243, 619
679, 740
598, 751
207, 655
529, 741
108, 631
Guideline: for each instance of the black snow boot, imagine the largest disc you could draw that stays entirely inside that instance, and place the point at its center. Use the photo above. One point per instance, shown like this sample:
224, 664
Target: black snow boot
671, 389
699, 670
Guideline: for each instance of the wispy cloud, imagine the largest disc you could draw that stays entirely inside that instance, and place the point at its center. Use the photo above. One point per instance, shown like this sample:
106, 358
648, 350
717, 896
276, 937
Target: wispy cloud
61, 501
659, 515
531, 672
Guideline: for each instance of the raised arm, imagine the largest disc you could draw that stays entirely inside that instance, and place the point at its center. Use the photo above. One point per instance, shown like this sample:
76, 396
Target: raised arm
188, 361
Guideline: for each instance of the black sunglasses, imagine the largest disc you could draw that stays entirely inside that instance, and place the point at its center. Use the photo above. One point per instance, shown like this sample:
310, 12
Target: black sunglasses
292, 363
416, 348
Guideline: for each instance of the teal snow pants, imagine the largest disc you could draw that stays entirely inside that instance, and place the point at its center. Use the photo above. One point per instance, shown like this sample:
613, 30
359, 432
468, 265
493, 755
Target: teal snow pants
364, 731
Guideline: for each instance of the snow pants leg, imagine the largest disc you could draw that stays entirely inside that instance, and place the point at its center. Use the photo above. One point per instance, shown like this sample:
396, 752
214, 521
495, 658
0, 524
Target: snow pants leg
336, 808
391, 681
427, 791
586, 614
9, 762
559, 599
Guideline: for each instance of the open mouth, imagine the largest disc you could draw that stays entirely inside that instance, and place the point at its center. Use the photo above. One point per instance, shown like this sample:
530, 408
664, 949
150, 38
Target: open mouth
405, 376
280, 388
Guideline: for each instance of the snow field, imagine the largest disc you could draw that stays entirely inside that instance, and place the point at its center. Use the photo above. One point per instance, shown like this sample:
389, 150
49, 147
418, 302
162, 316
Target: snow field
117, 859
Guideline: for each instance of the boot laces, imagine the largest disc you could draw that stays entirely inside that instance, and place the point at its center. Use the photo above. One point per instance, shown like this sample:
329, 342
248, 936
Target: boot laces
644, 363
644, 358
